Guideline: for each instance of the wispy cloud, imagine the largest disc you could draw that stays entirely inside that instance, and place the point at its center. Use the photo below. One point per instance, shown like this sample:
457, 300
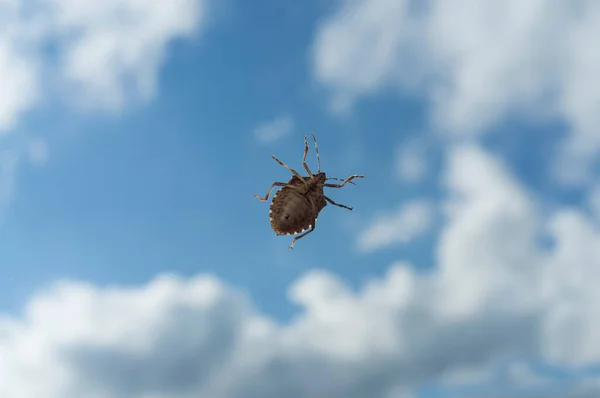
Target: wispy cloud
275, 129
410, 221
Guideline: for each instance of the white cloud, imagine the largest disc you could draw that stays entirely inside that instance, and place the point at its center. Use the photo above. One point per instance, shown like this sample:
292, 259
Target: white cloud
118, 45
105, 54
18, 70
410, 221
275, 129
354, 49
478, 62
494, 295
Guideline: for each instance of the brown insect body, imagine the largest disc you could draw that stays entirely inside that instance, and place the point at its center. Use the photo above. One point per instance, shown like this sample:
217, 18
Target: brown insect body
295, 208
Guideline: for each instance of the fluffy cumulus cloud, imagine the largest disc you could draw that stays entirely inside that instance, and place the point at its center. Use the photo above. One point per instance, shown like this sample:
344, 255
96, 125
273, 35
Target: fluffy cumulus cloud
497, 293
477, 62
107, 52
118, 45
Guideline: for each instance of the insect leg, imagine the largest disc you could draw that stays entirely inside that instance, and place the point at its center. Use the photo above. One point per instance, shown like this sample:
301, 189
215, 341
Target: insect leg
317, 150
337, 204
294, 172
347, 180
275, 184
300, 236
304, 158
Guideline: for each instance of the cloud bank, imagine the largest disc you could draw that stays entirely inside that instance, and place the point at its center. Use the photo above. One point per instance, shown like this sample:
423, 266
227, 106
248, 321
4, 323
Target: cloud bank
496, 294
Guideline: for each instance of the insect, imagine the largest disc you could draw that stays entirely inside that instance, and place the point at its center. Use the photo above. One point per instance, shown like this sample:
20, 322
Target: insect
295, 208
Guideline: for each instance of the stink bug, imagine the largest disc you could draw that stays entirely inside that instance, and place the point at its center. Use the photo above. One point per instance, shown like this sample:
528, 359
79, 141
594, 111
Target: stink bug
295, 207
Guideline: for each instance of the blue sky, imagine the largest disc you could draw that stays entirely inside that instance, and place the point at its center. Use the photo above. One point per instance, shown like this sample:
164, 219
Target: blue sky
137, 263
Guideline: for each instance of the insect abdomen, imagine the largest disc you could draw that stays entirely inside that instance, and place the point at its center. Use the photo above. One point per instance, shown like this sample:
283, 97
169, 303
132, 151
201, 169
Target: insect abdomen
291, 212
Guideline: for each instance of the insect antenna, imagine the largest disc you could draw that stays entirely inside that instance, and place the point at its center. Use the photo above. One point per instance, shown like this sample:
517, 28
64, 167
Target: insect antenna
304, 158
346, 181
317, 150
339, 179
